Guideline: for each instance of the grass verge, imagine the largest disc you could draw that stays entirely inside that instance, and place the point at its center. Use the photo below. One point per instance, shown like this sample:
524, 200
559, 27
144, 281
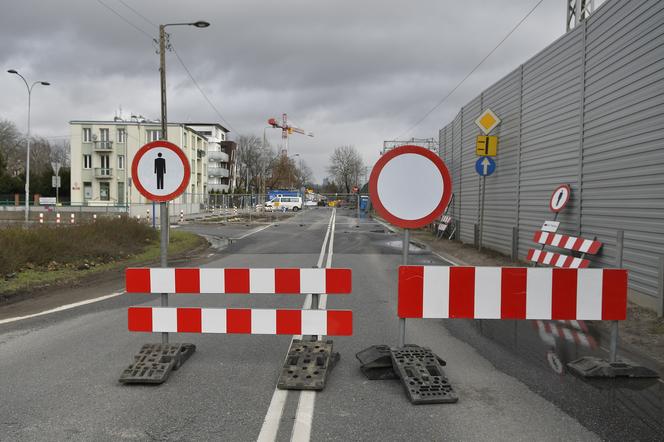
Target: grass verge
37, 277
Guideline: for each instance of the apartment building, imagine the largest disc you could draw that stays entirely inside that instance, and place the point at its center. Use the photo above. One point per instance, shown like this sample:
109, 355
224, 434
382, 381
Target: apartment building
221, 156
102, 153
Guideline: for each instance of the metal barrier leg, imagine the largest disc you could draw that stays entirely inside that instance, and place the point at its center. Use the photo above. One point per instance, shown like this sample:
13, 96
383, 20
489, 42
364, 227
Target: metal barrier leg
402, 321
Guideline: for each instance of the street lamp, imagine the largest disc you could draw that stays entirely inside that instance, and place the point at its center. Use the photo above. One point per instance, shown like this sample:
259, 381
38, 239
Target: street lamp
162, 67
27, 161
163, 209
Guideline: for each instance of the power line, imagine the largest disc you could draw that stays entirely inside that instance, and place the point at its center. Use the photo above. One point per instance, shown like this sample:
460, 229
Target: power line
174, 51
201, 90
147, 20
469, 73
124, 19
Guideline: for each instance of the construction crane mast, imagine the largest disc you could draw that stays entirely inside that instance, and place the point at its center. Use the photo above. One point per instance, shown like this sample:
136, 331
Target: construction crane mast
286, 130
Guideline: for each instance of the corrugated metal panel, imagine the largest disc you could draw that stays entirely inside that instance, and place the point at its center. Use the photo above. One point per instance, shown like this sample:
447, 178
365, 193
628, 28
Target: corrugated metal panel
587, 111
550, 135
456, 165
500, 196
469, 179
623, 160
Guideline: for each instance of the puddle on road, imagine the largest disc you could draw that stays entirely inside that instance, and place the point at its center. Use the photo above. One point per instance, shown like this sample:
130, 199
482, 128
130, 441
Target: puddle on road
616, 409
398, 244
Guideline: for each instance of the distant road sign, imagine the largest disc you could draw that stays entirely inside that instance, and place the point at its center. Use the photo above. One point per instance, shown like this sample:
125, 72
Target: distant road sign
485, 166
46, 201
160, 171
410, 186
486, 146
560, 198
487, 121
56, 181
550, 226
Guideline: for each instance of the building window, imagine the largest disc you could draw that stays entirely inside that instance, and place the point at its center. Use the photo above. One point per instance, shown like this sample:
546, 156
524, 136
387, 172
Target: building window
104, 135
122, 135
223, 137
87, 161
121, 161
154, 135
105, 191
87, 135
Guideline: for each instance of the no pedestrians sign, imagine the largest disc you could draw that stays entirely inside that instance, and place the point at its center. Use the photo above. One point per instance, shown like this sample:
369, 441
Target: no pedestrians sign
160, 171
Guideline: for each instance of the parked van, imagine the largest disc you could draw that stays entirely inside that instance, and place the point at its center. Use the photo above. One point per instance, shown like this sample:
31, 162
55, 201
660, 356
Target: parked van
293, 203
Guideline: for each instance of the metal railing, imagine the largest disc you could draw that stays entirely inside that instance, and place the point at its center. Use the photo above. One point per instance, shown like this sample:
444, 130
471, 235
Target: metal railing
103, 145
103, 172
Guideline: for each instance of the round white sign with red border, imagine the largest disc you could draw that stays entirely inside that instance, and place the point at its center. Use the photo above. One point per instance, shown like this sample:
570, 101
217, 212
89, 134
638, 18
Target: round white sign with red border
160, 171
560, 198
410, 186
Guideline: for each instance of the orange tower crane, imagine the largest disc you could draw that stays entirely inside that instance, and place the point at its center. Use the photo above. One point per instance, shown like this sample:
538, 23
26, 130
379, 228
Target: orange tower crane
286, 130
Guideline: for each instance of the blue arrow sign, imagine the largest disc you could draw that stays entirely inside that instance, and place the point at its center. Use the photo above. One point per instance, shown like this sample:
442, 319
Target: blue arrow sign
485, 166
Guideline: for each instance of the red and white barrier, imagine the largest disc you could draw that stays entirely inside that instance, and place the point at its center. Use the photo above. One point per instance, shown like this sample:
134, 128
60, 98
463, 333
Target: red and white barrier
557, 259
72, 218
238, 281
549, 330
57, 218
241, 321
568, 242
512, 293
41, 218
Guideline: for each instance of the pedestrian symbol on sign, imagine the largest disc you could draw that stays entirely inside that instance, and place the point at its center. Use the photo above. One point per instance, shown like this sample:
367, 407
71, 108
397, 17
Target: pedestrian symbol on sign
160, 170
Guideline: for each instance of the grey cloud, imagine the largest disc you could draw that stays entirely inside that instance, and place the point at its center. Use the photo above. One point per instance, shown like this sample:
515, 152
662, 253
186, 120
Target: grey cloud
353, 72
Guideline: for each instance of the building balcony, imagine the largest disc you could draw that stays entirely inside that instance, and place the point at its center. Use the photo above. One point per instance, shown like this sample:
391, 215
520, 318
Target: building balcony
103, 173
218, 156
102, 146
218, 187
217, 172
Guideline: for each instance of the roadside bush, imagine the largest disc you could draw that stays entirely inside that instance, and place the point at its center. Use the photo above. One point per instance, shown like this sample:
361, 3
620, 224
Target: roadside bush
102, 241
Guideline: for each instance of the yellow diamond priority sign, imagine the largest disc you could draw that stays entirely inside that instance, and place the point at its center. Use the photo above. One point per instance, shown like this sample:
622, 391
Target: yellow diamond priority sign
487, 121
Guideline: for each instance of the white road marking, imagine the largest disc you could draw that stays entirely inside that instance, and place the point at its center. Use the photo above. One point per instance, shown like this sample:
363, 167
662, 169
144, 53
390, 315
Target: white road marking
61, 308
304, 415
270, 426
251, 232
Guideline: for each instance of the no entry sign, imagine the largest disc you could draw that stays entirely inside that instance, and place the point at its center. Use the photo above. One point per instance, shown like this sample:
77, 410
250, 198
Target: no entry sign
160, 171
560, 198
410, 186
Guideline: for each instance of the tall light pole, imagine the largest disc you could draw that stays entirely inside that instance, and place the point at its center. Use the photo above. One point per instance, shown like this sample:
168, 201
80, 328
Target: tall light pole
163, 208
27, 160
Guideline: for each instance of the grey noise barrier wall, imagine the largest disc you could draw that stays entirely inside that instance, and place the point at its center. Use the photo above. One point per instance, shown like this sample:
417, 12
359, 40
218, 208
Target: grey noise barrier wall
588, 111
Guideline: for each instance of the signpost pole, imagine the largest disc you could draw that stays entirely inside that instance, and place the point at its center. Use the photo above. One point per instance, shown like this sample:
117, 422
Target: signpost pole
613, 347
163, 215
482, 213
402, 321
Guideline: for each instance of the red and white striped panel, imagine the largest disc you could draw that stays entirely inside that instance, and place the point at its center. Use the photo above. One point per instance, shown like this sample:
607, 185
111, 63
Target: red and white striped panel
241, 321
557, 259
512, 293
568, 242
549, 330
239, 281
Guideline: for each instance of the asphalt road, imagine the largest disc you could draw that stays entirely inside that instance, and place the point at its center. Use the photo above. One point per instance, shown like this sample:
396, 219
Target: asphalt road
59, 371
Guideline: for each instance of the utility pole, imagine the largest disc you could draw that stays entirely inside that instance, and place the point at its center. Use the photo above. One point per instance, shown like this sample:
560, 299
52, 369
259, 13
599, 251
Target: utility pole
163, 207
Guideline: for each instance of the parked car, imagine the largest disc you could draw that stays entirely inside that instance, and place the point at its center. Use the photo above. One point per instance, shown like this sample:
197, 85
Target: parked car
293, 203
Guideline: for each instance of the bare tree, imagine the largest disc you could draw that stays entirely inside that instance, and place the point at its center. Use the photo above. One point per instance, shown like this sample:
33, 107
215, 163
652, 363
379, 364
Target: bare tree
254, 159
11, 147
346, 167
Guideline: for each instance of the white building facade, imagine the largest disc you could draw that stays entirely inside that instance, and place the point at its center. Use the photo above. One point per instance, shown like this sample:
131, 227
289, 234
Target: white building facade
101, 157
220, 156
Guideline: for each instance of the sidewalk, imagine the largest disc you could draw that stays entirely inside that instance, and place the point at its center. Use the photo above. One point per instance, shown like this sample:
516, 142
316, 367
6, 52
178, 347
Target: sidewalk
642, 331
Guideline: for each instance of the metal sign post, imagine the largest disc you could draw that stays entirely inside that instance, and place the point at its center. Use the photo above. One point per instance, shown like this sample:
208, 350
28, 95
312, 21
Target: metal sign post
160, 172
404, 261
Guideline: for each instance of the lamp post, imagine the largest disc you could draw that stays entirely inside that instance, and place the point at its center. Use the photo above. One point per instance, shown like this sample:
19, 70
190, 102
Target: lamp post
27, 160
163, 207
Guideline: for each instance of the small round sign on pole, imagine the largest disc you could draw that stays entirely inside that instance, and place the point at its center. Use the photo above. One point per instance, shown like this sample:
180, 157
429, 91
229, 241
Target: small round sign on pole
160, 171
410, 187
559, 198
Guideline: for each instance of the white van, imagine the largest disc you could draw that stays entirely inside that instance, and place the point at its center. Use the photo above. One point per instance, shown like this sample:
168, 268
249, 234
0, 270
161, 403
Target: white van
284, 203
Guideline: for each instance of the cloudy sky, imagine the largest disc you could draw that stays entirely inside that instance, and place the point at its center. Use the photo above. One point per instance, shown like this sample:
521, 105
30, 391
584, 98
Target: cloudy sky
353, 72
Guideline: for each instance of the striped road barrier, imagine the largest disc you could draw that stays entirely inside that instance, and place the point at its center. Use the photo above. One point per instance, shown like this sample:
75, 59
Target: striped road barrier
512, 293
239, 280
241, 321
